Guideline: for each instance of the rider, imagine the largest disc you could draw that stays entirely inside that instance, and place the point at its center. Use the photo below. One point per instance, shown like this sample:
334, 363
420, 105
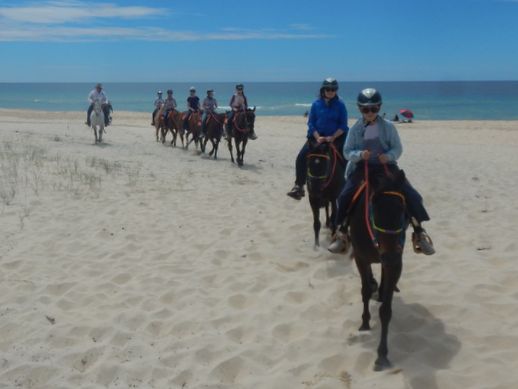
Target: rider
209, 107
376, 140
98, 94
327, 122
158, 104
193, 105
169, 105
238, 103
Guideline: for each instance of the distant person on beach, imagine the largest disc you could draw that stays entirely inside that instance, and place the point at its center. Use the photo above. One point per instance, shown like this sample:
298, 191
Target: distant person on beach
158, 104
209, 107
169, 105
376, 141
193, 105
395, 118
327, 122
238, 102
98, 94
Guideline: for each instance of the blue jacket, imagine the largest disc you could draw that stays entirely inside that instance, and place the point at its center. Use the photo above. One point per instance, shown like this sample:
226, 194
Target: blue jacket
389, 139
326, 119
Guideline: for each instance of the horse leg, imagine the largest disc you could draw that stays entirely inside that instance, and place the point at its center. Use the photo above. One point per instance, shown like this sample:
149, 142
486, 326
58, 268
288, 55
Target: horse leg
365, 270
391, 271
101, 129
243, 148
95, 133
215, 145
229, 142
315, 208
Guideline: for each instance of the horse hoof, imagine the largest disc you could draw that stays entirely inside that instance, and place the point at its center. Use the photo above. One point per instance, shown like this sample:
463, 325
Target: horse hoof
364, 327
382, 363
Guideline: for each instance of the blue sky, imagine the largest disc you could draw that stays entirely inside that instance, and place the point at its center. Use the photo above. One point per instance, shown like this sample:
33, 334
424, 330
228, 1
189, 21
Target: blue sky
135, 40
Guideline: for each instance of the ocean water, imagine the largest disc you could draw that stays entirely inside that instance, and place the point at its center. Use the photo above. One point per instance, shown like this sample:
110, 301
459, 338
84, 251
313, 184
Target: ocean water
482, 100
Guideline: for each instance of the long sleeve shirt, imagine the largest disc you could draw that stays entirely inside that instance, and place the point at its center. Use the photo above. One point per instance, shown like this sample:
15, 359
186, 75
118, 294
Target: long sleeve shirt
238, 102
170, 104
326, 118
95, 95
210, 104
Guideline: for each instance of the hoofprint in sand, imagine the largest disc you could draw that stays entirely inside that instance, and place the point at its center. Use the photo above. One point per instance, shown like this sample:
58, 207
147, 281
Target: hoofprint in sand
132, 264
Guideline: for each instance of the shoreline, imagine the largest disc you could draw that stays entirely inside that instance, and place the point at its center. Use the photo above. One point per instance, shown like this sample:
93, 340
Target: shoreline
58, 115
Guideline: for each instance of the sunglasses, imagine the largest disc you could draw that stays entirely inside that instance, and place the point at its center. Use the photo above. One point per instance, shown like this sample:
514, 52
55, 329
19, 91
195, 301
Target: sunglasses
372, 109
330, 89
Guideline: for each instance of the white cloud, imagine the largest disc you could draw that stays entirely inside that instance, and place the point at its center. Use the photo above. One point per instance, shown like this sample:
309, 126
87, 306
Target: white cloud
65, 21
72, 11
78, 34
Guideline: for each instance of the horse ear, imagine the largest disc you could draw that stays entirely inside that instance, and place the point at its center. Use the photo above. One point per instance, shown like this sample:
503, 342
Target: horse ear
253, 109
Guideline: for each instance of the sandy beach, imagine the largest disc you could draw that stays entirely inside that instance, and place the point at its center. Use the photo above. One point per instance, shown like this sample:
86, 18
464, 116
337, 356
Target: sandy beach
136, 265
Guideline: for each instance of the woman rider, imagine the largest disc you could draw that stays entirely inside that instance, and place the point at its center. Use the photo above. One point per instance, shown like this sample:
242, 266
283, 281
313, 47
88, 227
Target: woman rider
327, 122
376, 141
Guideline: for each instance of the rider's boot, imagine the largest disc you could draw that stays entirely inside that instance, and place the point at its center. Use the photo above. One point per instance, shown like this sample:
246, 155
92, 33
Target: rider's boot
341, 242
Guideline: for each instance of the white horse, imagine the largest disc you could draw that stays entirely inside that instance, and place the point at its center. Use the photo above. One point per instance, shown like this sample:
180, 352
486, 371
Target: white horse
97, 121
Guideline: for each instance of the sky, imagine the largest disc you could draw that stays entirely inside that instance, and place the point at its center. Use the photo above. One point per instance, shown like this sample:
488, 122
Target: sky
264, 40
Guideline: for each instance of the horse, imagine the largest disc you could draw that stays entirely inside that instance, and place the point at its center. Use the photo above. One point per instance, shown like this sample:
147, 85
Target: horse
377, 234
194, 129
97, 121
214, 126
325, 180
241, 125
175, 125
159, 122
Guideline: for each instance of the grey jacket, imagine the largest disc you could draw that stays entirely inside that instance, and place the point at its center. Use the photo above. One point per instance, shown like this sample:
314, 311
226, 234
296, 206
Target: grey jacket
389, 139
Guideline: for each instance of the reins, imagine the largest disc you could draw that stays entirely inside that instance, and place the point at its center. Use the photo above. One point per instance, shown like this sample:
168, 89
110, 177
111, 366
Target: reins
369, 219
330, 176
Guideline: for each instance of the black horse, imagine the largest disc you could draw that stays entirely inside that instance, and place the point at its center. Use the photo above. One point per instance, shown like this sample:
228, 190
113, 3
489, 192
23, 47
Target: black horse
377, 236
241, 125
325, 180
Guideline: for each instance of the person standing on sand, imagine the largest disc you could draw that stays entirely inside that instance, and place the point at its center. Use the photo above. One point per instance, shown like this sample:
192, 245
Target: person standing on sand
327, 122
375, 141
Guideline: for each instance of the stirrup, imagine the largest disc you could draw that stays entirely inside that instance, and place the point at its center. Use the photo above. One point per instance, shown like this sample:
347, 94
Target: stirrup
422, 243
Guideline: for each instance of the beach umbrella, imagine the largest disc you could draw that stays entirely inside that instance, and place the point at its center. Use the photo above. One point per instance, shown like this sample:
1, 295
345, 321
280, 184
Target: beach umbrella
406, 113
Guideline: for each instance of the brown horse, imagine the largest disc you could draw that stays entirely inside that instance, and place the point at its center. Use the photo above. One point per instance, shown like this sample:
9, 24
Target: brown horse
159, 122
175, 125
193, 129
241, 125
214, 129
377, 236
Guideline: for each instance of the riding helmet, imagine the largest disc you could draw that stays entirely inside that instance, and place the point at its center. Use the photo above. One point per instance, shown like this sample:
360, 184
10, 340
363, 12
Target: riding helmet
239, 86
330, 83
159, 92
369, 96
210, 91
192, 89
169, 91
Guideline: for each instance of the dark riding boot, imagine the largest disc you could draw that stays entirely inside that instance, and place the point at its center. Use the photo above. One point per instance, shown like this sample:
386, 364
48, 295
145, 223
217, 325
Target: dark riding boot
297, 192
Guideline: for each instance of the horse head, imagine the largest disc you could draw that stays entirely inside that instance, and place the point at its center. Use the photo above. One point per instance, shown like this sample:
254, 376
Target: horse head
389, 210
319, 167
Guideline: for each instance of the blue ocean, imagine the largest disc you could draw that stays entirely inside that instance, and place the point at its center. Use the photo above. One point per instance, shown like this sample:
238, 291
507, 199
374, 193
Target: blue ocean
480, 100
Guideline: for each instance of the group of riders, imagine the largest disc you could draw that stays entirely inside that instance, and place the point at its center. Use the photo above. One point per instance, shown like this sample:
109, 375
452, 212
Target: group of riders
373, 141
238, 102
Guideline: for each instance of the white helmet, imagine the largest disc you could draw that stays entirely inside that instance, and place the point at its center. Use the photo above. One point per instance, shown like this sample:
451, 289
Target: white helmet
192, 89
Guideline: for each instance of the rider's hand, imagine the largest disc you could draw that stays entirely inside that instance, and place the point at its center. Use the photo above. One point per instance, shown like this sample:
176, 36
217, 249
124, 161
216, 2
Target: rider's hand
321, 139
383, 158
366, 154
329, 139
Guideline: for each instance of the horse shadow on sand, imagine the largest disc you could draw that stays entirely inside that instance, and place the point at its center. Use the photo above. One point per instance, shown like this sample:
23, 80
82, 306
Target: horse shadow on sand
419, 343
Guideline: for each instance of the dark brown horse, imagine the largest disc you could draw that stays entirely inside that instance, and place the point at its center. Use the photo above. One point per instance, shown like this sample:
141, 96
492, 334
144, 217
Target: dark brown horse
175, 125
379, 239
241, 125
325, 180
214, 130
193, 129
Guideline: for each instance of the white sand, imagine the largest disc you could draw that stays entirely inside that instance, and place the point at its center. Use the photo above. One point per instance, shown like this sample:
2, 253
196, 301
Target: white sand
138, 265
